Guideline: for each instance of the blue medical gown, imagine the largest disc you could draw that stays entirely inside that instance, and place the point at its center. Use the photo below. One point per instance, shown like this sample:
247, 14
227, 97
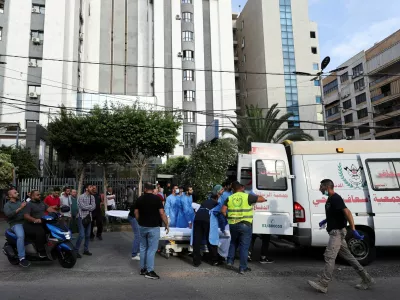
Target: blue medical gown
185, 212
172, 209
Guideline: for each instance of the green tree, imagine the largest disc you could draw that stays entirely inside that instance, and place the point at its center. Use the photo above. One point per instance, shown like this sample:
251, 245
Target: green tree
174, 166
23, 160
6, 170
255, 127
72, 136
208, 165
143, 134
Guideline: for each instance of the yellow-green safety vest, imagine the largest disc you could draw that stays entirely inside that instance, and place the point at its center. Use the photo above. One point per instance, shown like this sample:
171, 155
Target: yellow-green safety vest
239, 209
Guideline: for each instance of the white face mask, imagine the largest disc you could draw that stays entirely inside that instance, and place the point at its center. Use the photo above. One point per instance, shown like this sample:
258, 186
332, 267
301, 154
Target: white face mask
177, 191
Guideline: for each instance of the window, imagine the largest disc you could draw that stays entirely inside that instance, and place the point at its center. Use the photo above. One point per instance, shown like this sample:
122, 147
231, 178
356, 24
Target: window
384, 174
318, 99
332, 111
314, 50
360, 84
188, 55
37, 35
188, 75
242, 24
189, 96
347, 104
315, 66
189, 139
344, 77
330, 87
38, 9
363, 113
2, 6
243, 42
35, 62
189, 116
349, 133
348, 118
186, 1
244, 58
1, 33
358, 70
321, 133
313, 35
271, 175
363, 129
361, 98
187, 17
317, 83
187, 36
245, 176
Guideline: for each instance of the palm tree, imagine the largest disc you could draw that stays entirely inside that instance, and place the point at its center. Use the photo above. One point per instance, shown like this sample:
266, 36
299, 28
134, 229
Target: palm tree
255, 127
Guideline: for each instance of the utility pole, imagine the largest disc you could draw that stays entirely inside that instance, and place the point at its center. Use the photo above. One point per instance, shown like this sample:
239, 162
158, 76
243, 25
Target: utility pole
323, 107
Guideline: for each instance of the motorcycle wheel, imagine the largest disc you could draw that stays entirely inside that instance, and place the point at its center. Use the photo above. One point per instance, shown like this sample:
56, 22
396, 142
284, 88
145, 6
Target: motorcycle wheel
67, 258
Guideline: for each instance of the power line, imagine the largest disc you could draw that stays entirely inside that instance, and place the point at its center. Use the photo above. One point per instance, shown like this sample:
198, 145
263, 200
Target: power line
177, 68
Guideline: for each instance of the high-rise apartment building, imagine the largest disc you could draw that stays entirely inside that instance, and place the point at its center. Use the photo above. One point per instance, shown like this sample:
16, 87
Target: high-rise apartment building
364, 99
273, 40
172, 54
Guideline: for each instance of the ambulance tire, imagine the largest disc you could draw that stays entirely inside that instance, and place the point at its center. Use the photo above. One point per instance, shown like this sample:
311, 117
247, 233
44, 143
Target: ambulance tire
364, 251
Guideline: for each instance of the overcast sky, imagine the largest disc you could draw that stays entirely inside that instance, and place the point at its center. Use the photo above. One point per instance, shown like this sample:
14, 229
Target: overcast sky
348, 26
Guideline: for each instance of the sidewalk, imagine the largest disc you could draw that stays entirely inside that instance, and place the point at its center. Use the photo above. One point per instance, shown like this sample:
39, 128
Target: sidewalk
3, 226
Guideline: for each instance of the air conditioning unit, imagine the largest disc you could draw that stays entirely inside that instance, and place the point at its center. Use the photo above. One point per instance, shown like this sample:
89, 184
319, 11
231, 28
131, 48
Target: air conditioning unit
33, 95
361, 72
36, 40
178, 17
81, 36
31, 64
361, 88
35, 10
179, 54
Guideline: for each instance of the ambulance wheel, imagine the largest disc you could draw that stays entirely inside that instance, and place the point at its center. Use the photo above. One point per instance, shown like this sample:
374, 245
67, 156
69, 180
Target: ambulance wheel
364, 251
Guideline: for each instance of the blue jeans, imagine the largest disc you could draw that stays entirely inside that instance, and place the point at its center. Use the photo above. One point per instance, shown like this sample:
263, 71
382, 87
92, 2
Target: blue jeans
20, 233
149, 238
84, 233
136, 236
240, 237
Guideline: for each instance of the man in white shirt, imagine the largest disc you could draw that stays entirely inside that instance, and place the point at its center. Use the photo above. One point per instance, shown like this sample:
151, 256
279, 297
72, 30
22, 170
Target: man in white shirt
110, 196
65, 200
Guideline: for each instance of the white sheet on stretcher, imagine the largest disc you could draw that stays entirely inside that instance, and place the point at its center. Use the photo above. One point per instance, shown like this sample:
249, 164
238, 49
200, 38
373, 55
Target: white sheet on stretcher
182, 233
123, 214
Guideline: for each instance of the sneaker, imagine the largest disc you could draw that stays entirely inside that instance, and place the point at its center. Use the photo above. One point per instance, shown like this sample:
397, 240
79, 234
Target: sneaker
366, 283
152, 275
137, 257
242, 271
87, 253
143, 272
318, 286
100, 238
230, 266
265, 260
78, 255
24, 263
196, 265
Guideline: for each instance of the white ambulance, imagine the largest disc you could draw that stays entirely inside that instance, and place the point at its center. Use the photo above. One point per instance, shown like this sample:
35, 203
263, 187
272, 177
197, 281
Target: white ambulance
365, 173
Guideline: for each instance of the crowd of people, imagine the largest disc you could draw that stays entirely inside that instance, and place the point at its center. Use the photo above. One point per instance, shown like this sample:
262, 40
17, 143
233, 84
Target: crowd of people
228, 210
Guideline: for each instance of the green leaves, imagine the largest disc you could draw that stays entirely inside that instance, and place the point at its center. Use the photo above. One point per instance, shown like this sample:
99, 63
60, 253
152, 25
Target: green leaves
255, 127
6, 170
208, 165
23, 160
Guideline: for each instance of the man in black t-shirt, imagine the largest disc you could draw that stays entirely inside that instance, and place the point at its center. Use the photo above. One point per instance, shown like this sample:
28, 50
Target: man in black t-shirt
337, 215
149, 212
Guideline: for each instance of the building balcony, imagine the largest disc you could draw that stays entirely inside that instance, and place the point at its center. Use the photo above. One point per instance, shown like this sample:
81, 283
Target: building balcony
386, 112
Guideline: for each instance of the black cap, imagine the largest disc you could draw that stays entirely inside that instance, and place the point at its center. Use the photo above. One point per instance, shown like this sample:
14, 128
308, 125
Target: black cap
237, 185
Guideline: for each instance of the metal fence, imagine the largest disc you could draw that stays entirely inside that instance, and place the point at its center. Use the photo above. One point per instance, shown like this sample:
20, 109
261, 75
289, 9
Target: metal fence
46, 185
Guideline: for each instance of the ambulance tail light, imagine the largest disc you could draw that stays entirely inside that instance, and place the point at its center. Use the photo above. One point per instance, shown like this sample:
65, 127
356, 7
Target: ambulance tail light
299, 213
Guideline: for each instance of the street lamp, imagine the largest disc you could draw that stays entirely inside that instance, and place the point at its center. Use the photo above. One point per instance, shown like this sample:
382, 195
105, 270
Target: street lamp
325, 62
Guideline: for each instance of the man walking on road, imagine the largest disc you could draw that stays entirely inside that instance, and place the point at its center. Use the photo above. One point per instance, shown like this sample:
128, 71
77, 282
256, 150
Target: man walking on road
337, 215
97, 216
13, 210
149, 212
240, 220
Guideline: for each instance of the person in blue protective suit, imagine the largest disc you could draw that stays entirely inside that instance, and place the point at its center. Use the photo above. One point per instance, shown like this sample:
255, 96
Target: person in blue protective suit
223, 225
172, 206
186, 213
205, 226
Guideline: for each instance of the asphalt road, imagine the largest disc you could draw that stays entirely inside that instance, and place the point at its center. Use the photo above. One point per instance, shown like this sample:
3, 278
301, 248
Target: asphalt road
110, 274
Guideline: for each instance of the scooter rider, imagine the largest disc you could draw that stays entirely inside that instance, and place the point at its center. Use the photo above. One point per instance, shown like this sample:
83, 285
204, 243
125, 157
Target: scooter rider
15, 218
33, 212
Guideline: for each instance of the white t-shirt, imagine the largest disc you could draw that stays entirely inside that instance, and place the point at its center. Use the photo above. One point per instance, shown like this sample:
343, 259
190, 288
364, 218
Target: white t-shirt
111, 200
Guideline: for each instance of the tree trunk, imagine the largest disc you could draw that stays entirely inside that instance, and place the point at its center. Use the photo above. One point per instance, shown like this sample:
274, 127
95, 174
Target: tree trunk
140, 172
105, 188
81, 177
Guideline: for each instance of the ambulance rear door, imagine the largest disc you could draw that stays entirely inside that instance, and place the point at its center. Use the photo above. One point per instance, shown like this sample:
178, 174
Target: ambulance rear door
271, 179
